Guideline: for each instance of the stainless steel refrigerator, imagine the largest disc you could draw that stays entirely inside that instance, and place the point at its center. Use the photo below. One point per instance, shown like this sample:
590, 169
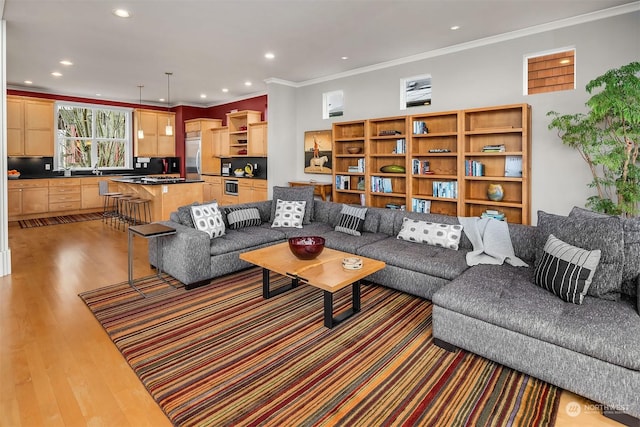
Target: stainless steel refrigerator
193, 157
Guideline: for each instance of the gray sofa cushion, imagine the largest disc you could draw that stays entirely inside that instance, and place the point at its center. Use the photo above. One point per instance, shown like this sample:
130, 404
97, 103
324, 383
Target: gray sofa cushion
314, 229
590, 234
511, 300
631, 233
432, 260
244, 238
347, 243
296, 194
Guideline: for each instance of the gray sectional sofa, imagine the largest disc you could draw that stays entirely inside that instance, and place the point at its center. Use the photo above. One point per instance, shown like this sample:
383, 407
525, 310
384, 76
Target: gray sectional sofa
496, 311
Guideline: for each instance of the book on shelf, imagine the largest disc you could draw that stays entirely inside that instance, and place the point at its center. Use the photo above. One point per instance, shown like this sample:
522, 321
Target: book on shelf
473, 168
360, 185
513, 166
420, 205
491, 213
381, 185
420, 167
395, 206
343, 182
498, 148
445, 189
420, 127
401, 146
358, 168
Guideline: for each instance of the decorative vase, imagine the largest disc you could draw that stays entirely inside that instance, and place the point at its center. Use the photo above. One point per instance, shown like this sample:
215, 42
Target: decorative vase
495, 192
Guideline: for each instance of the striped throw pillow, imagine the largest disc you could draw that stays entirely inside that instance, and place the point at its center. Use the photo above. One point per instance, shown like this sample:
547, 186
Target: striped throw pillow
351, 220
240, 218
566, 270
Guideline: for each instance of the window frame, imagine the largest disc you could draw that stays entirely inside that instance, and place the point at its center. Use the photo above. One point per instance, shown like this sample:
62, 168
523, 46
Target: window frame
128, 139
525, 68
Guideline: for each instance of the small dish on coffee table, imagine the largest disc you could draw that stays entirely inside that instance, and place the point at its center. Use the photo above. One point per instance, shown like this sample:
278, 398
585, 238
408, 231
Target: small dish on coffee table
352, 263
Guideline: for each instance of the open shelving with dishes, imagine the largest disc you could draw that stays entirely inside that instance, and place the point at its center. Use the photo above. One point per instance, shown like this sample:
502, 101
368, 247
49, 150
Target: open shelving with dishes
450, 158
434, 150
238, 126
498, 139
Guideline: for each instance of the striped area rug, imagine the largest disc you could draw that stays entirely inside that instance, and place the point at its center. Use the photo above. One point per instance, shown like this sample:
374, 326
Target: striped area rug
55, 220
221, 355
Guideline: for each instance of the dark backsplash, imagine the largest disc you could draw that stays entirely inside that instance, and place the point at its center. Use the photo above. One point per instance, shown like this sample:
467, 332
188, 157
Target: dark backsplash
35, 167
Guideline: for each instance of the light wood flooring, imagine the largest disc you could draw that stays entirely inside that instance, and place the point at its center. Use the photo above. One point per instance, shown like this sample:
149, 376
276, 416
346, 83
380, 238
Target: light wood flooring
57, 365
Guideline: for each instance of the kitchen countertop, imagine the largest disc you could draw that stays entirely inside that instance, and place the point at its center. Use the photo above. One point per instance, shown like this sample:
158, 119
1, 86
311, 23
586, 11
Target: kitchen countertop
138, 180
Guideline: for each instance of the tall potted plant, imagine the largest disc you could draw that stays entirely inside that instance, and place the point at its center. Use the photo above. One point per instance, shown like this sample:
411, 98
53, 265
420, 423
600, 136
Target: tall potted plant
608, 139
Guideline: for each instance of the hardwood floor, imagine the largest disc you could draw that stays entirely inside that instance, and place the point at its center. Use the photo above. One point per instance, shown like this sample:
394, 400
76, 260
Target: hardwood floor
57, 365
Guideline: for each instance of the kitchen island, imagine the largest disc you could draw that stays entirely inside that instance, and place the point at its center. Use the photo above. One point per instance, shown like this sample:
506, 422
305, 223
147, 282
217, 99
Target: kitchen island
166, 194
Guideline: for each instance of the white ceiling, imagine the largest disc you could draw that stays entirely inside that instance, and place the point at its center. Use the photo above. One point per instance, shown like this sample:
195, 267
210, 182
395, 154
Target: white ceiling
211, 44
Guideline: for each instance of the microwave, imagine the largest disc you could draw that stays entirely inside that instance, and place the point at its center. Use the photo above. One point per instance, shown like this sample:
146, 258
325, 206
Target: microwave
231, 187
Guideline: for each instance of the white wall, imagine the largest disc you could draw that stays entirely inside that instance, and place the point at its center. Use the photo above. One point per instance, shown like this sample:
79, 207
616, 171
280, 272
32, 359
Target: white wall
477, 77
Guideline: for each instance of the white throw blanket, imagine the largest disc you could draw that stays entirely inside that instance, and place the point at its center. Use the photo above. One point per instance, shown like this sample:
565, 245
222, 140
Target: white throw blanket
491, 242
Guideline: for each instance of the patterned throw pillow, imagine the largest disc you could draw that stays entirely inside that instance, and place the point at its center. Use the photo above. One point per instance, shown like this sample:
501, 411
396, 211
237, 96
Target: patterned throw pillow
240, 218
431, 233
289, 214
294, 194
351, 220
566, 270
208, 218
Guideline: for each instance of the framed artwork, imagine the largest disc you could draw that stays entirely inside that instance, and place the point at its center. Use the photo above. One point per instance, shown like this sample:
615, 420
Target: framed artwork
415, 91
332, 104
317, 151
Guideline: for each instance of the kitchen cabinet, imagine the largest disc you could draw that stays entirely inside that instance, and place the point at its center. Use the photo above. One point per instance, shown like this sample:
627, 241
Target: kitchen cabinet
252, 190
212, 188
90, 191
27, 197
208, 153
257, 139
30, 126
156, 143
239, 138
220, 142
64, 194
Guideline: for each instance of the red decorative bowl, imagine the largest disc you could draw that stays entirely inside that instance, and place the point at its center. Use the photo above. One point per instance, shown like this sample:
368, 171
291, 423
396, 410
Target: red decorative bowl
307, 247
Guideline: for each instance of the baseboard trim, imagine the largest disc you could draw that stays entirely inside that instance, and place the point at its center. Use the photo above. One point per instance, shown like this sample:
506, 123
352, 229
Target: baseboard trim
5, 262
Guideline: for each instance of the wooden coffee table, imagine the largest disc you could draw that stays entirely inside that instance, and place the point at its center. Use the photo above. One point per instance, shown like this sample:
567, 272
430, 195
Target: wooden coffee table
324, 272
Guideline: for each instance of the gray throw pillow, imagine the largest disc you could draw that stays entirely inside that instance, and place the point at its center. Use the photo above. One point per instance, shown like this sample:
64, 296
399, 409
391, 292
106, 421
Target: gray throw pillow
184, 214
589, 234
631, 237
294, 194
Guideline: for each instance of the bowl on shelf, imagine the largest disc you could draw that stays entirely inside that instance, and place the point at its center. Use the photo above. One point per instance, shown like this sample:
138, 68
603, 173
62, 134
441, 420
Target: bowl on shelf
354, 150
306, 247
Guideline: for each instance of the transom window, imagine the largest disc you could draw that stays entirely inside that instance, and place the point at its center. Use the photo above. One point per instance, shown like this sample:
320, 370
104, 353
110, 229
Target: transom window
89, 136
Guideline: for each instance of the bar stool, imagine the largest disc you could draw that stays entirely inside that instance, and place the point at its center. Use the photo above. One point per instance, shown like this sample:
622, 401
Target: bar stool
109, 208
124, 207
138, 208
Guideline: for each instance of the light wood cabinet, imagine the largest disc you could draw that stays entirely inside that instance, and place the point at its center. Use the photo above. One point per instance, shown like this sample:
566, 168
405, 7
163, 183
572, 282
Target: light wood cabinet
27, 197
239, 137
30, 126
212, 188
220, 142
209, 154
64, 194
252, 190
440, 153
257, 144
90, 191
156, 143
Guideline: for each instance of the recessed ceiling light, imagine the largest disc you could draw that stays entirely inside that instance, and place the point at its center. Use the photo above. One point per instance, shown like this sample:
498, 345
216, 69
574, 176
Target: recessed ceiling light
269, 55
344, 57
98, 94
65, 62
28, 82
56, 74
248, 83
455, 27
121, 13
202, 95
161, 99
225, 90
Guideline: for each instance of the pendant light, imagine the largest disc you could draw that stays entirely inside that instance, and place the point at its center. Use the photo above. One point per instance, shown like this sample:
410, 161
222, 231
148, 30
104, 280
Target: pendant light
168, 130
140, 131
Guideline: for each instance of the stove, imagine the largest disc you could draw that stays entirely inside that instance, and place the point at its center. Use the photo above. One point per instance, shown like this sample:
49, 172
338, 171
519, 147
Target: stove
161, 179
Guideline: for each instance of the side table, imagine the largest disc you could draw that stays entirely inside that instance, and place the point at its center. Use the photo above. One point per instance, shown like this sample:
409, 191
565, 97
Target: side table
148, 231
322, 189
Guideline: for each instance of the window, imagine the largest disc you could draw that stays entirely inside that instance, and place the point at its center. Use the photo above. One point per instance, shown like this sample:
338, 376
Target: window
550, 71
92, 135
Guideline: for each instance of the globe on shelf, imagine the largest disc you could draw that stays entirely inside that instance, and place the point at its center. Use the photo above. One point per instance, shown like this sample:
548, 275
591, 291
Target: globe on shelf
495, 192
